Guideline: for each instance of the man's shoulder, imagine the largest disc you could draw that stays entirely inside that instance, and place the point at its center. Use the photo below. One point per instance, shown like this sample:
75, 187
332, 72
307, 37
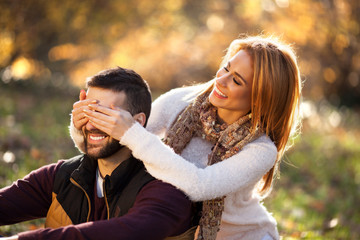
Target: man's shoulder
70, 164
140, 178
65, 168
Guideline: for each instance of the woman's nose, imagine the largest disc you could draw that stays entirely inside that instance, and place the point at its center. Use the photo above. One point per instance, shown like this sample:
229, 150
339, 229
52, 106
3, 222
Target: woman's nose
222, 77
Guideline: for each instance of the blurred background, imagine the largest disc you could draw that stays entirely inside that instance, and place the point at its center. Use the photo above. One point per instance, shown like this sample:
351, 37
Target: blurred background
48, 48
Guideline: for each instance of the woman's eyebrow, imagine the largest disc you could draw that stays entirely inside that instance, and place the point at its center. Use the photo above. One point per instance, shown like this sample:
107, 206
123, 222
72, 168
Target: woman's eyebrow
237, 74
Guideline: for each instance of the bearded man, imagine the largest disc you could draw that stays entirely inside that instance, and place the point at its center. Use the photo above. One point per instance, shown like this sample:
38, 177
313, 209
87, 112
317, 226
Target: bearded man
104, 193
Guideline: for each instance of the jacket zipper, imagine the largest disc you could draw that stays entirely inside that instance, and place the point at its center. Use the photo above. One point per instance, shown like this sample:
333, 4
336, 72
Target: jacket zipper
106, 201
87, 196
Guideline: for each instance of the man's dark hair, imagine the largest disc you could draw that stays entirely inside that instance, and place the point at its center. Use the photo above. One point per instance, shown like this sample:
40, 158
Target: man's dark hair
138, 95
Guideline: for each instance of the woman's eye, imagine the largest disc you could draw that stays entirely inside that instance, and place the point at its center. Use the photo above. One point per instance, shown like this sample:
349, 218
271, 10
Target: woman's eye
236, 82
234, 79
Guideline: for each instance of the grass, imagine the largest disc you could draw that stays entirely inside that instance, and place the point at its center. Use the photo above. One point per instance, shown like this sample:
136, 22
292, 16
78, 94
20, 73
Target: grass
33, 132
316, 197
318, 194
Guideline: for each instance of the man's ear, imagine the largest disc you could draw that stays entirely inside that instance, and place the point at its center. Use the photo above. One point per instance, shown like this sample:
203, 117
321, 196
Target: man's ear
141, 118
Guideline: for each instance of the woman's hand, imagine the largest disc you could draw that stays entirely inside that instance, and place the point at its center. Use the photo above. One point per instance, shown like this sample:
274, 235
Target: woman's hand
78, 116
112, 121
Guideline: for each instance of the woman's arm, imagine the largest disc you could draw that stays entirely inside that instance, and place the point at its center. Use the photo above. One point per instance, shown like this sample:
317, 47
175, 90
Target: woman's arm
239, 171
167, 107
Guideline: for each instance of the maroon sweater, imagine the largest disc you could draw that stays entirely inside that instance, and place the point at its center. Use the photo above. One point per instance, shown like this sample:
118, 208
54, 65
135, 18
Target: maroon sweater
159, 211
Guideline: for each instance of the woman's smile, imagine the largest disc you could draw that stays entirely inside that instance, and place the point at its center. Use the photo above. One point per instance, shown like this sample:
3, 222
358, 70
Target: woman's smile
218, 93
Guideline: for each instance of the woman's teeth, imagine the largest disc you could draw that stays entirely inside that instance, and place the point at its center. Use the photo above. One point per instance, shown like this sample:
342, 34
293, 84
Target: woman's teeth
220, 93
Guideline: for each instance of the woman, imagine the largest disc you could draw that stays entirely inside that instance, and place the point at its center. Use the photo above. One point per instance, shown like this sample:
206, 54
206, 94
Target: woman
224, 139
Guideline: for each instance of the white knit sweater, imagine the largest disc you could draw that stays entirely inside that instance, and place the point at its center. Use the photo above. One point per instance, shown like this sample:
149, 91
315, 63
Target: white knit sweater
244, 216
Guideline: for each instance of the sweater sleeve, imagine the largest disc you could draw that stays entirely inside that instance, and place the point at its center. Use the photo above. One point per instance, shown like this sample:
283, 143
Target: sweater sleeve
77, 136
167, 107
159, 211
28, 198
239, 171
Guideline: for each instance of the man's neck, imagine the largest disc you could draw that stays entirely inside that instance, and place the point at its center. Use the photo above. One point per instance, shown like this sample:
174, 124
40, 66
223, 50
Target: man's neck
108, 165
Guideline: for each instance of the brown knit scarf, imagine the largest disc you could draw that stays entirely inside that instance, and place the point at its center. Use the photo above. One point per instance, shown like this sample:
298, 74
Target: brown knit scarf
199, 119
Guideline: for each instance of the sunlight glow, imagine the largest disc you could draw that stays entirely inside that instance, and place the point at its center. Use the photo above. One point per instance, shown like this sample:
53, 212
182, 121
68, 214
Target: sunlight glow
334, 119
22, 68
6, 47
215, 23
65, 52
307, 109
329, 75
333, 223
282, 3
268, 5
9, 157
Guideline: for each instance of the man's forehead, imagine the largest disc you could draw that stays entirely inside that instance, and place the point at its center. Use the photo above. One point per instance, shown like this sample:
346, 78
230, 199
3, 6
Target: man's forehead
106, 97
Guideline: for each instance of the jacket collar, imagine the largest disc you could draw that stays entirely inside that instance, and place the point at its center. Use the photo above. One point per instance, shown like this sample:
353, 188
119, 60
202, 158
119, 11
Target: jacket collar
85, 175
121, 176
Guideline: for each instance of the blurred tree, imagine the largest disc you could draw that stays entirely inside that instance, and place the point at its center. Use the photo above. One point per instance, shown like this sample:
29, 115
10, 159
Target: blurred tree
172, 43
44, 37
341, 53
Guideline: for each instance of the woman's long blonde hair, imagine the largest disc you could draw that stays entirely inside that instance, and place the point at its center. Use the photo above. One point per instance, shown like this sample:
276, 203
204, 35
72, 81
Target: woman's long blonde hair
276, 92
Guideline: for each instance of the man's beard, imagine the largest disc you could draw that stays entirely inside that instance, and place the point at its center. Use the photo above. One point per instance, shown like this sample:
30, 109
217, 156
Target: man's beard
105, 151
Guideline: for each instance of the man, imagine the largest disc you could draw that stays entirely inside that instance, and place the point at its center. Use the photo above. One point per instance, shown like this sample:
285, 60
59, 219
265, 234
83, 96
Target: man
105, 193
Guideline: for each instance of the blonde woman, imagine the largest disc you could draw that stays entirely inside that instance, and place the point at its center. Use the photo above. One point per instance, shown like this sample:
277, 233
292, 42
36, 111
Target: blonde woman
219, 142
